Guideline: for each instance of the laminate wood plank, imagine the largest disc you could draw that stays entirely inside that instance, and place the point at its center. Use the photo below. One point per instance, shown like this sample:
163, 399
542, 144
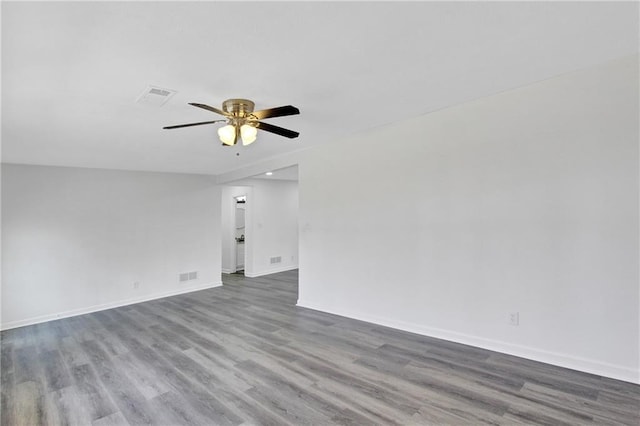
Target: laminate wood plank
240, 345
470, 404
279, 352
283, 405
223, 385
80, 327
607, 413
191, 333
9, 337
173, 409
6, 361
26, 365
8, 399
301, 341
197, 312
143, 378
227, 346
306, 315
298, 392
344, 363
381, 394
421, 343
44, 337
138, 317
615, 386
164, 333
231, 388
244, 353
363, 338
224, 370
454, 367
542, 416
202, 402
478, 393
198, 397
313, 383
367, 405
109, 343
626, 403
94, 396
272, 317
71, 352
345, 345
122, 391
55, 371
65, 407
115, 419
539, 371
28, 404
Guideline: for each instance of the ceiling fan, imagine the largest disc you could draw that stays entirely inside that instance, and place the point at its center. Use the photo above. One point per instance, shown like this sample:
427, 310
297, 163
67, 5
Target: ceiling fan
243, 122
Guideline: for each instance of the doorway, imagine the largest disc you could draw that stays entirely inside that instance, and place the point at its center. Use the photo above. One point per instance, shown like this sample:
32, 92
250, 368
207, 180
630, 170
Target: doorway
235, 228
260, 224
239, 233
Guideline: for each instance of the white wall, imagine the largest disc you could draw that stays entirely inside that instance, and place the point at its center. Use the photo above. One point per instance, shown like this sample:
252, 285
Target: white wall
526, 201
76, 240
271, 220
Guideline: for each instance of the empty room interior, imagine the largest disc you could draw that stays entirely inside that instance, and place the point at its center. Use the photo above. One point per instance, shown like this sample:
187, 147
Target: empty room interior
317, 213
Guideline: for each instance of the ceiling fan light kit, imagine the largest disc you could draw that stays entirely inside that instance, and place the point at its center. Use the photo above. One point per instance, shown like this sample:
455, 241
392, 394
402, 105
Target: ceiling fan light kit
243, 122
248, 134
227, 134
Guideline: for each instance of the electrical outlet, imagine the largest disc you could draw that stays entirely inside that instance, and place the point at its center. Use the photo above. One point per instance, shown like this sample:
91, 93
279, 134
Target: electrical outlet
136, 285
514, 318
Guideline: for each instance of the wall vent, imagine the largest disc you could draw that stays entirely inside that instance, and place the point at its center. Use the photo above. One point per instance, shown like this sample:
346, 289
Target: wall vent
155, 96
188, 276
277, 259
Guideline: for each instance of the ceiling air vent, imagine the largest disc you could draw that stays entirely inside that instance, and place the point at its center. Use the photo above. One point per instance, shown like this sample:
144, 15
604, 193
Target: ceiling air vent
155, 96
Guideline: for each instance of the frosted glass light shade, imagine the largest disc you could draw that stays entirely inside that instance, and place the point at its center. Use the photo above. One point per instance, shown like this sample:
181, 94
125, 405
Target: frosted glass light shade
227, 134
248, 134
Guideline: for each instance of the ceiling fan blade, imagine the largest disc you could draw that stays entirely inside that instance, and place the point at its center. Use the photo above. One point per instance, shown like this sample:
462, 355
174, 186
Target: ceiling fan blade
210, 108
275, 129
276, 112
177, 126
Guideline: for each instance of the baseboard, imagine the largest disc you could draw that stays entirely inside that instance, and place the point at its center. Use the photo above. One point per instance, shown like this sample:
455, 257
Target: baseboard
562, 360
270, 271
228, 271
104, 306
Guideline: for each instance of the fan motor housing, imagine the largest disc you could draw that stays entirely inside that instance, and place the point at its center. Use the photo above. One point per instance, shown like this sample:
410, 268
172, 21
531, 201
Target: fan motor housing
238, 107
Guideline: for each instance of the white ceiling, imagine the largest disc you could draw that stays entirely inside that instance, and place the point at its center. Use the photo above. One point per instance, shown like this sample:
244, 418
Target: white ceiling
71, 72
286, 173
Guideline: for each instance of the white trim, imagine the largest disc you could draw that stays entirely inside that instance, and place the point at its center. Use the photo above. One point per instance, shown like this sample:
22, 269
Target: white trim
269, 271
104, 306
554, 358
228, 271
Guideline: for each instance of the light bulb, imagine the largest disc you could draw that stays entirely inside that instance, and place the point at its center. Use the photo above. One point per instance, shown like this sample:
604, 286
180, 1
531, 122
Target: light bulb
227, 134
248, 134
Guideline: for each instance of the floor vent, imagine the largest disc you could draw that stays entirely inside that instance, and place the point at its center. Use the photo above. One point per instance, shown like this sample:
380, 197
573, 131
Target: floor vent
277, 259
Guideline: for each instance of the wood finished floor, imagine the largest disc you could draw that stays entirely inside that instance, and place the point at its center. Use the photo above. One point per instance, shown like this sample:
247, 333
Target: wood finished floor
245, 354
